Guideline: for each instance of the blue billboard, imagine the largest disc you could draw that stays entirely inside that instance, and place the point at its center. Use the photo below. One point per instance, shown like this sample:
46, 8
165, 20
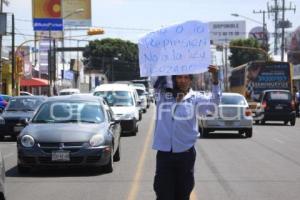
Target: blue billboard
47, 24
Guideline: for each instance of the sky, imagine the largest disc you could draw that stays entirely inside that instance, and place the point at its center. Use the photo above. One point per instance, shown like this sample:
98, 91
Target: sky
131, 19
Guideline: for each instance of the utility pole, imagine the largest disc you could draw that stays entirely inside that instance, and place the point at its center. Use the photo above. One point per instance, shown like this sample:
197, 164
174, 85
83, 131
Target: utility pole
1, 10
276, 9
265, 34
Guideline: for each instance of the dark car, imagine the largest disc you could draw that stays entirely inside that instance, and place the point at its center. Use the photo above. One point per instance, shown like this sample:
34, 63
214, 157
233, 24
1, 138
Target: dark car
19, 110
276, 105
70, 131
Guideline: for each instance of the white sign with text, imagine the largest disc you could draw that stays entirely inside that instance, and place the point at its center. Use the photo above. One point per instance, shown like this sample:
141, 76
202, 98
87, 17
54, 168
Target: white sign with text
178, 49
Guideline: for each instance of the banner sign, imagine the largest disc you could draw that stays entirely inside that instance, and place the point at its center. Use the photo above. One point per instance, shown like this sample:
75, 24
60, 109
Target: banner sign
48, 24
47, 15
178, 49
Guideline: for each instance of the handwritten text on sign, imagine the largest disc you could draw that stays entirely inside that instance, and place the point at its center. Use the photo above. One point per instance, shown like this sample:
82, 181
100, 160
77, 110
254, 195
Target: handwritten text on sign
179, 49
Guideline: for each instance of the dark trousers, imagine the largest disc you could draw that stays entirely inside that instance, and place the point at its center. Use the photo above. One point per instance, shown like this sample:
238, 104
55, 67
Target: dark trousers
174, 176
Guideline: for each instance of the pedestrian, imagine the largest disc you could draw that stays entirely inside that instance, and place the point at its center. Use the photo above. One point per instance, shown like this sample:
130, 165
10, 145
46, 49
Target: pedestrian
176, 133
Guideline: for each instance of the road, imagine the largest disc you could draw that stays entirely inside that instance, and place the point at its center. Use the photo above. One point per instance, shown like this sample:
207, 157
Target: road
228, 167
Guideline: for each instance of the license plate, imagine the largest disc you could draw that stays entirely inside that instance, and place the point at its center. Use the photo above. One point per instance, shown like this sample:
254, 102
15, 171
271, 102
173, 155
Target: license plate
229, 123
278, 107
18, 128
60, 156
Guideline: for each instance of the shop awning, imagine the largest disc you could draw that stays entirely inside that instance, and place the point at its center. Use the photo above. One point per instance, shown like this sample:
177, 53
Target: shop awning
34, 82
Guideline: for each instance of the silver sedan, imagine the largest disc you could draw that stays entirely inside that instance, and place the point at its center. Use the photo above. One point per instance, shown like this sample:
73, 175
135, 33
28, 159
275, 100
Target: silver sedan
232, 113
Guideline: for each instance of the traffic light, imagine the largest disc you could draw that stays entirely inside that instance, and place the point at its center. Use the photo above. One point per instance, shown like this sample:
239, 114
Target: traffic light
95, 31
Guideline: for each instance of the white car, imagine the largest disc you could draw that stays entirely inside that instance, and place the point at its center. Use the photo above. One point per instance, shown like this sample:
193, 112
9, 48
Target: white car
2, 178
142, 96
124, 102
69, 91
233, 113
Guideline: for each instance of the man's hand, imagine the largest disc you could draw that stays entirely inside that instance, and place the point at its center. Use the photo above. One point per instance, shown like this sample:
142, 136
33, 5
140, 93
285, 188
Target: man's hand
214, 72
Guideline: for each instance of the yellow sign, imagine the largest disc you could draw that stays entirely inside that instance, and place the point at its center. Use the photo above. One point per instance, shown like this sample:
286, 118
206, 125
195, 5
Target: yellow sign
46, 9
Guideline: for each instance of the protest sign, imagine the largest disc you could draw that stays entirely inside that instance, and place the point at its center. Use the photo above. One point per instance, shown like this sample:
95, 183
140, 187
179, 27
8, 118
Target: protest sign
178, 49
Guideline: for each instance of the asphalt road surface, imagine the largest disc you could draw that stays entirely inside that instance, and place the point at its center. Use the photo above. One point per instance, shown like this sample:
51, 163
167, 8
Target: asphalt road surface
228, 167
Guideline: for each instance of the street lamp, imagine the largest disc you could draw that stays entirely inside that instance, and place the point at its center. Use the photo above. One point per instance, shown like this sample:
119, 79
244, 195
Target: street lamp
265, 38
79, 10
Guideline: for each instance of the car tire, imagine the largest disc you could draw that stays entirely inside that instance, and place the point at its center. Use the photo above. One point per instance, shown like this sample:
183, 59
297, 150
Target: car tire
293, 121
117, 154
204, 132
285, 122
2, 196
241, 132
256, 121
248, 133
22, 169
109, 167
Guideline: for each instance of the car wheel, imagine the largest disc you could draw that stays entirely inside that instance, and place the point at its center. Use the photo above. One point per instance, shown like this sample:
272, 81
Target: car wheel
117, 154
241, 132
204, 132
248, 133
293, 121
108, 168
285, 122
2, 196
22, 169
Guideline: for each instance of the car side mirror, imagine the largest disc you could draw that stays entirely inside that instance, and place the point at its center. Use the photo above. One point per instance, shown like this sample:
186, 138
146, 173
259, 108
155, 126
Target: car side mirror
139, 102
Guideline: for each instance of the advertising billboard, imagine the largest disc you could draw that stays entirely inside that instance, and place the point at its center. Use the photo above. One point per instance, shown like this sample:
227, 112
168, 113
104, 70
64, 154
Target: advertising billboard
224, 31
47, 15
77, 12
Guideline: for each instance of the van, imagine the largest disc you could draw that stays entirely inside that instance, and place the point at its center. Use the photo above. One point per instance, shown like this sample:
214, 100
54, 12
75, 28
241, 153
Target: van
124, 102
68, 91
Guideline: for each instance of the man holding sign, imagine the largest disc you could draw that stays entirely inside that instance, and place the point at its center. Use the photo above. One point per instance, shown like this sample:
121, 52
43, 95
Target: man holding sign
170, 56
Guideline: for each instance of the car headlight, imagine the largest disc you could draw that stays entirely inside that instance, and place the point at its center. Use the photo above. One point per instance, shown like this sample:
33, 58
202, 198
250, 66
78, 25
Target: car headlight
27, 141
2, 121
97, 140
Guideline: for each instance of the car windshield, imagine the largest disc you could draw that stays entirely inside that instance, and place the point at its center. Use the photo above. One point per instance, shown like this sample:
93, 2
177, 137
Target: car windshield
24, 104
69, 112
278, 95
233, 100
116, 98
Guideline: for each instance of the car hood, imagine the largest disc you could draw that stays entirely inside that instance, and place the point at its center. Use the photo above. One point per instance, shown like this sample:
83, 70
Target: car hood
64, 132
123, 110
17, 114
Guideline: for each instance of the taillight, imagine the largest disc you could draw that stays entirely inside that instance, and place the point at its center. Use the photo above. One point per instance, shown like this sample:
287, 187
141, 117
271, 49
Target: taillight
264, 104
293, 105
248, 112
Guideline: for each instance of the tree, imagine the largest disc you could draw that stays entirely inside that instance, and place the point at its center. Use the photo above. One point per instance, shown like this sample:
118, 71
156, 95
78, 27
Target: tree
117, 58
246, 50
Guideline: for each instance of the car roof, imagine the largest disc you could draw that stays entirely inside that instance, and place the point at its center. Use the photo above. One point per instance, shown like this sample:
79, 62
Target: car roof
70, 90
74, 97
274, 90
231, 94
113, 87
30, 97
